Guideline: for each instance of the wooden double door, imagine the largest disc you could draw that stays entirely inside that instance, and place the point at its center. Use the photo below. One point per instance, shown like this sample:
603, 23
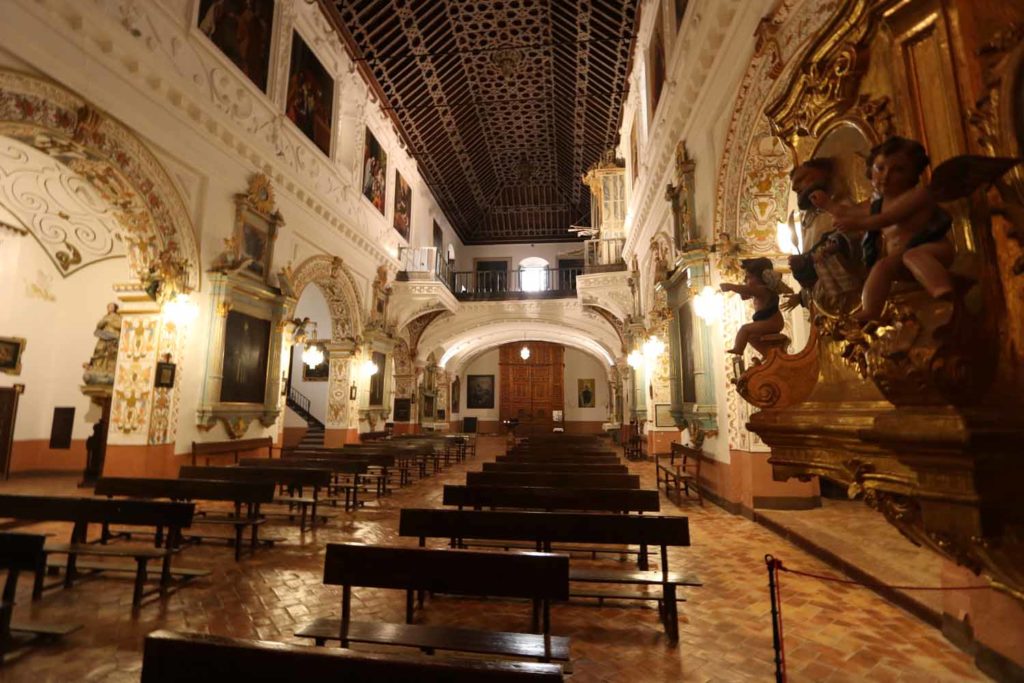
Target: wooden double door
533, 388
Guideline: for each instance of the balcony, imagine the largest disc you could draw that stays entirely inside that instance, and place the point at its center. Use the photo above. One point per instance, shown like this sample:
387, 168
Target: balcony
525, 283
603, 255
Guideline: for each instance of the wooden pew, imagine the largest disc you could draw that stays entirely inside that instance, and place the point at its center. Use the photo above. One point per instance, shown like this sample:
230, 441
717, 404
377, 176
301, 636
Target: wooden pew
233, 448
291, 477
405, 452
579, 481
22, 553
348, 473
247, 496
84, 511
681, 470
379, 463
540, 577
540, 466
547, 528
562, 458
552, 498
175, 657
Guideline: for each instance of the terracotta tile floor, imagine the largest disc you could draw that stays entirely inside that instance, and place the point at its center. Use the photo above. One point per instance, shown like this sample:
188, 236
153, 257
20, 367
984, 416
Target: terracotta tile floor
833, 632
859, 535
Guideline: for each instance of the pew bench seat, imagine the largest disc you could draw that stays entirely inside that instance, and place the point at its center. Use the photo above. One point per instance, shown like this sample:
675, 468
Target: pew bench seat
141, 554
443, 638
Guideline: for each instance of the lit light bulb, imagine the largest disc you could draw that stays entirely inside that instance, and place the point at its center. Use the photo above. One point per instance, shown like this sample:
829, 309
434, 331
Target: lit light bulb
635, 359
524, 353
369, 368
312, 356
709, 304
784, 239
180, 310
653, 347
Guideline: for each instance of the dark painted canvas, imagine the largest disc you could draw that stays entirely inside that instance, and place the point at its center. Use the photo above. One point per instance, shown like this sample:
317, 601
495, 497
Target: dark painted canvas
241, 29
310, 100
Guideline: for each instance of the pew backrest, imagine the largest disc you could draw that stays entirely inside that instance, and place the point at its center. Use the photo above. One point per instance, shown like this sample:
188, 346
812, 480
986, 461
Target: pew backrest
96, 510
553, 498
551, 527
524, 575
289, 476
170, 657
187, 489
541, 466
234, 448
596, 481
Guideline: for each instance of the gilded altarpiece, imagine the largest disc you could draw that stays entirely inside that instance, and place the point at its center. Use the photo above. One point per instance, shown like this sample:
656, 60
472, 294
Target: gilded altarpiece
919, 418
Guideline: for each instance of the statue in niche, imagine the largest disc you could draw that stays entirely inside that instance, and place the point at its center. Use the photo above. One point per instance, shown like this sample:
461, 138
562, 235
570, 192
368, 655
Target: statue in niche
905, 230
100, 368
829, 270
381, 295
762, 284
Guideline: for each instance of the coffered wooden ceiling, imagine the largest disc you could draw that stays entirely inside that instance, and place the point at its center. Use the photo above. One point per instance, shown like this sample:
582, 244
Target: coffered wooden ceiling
504, 103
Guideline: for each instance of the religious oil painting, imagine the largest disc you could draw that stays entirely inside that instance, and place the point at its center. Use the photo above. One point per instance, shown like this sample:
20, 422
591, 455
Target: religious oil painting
403, 206
165, 373
241, 29
586, 392
11, 349
310, 95
246, 352
254, 244
319, 372
480, 391
375, 171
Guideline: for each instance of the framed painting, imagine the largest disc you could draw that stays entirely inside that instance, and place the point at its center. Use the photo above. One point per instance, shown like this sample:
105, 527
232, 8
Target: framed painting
11, 349
634, 160
428, 405
165, 373
319, 373
377, 379
479, 391
246, 352
375, 171
241, 30
403, 206
586, 392
310, 100
456, 387
403, 409
256, 225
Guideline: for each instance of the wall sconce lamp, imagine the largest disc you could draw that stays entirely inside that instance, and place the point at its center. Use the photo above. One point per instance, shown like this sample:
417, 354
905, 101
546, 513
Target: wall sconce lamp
352, 392
653, 348
635, 359
369, 368
709, 304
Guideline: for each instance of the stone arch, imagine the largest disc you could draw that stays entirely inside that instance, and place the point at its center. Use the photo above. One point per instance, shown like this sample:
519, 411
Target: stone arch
333, 278
154, 223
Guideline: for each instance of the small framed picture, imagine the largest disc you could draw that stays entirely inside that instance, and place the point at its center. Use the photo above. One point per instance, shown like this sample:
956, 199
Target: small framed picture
11, 349
165, 373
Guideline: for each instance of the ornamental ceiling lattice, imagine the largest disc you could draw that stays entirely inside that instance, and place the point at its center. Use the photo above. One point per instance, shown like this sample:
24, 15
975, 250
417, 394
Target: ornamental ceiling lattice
505, 103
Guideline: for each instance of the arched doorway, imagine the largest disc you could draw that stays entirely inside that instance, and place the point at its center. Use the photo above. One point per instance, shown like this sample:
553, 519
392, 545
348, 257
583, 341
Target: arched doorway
339, 301
91, 218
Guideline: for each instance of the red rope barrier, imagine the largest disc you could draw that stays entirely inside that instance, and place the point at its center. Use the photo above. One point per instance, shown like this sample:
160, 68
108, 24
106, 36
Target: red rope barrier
775, 591
782, 639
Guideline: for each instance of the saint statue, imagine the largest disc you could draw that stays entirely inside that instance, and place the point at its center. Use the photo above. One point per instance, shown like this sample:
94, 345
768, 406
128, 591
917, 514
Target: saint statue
100, 368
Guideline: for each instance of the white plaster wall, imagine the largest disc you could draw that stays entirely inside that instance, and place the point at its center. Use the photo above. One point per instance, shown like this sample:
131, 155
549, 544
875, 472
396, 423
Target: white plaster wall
485, 364
59, 331
579, 365
313, 305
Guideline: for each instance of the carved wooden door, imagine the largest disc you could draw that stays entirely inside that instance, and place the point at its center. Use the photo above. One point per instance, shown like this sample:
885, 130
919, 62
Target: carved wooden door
532, 389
